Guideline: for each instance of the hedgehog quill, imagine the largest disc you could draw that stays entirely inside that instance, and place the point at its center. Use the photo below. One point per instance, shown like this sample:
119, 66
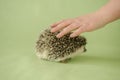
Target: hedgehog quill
51, 48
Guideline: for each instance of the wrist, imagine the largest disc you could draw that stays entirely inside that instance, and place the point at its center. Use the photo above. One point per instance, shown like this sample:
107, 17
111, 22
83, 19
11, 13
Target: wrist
110, 12
102, 16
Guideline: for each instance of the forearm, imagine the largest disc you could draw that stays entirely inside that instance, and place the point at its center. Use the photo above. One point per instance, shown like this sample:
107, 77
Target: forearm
110, 12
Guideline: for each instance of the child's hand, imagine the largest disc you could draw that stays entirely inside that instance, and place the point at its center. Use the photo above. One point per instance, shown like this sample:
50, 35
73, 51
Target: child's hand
79, 25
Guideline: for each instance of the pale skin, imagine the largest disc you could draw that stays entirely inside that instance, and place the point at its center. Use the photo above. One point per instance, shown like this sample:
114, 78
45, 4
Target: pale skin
90, 22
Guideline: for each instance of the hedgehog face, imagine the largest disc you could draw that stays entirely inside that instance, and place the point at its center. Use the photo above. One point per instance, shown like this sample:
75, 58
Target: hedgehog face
51, 48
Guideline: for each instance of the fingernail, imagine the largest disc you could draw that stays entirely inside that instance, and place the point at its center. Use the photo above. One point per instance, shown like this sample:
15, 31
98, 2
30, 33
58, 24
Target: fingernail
72, 35
59, 35
52, 30
51, 25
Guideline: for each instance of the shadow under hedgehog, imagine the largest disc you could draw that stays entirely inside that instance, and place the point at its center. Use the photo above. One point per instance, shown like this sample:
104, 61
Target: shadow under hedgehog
49, 47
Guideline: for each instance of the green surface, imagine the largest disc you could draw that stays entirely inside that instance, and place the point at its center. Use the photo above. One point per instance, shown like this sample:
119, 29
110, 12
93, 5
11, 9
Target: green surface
21, 21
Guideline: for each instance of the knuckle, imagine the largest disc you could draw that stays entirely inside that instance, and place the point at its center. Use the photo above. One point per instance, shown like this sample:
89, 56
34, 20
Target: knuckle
68, 21
63, 23
77, 22
74, 24
65, 30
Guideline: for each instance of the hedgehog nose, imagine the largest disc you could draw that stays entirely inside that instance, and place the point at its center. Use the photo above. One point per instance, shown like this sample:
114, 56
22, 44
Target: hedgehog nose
85, 49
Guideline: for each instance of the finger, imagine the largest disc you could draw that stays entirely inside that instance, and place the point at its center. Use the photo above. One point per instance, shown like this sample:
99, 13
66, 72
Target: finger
67, 30
60, 26
78, 31
55, 24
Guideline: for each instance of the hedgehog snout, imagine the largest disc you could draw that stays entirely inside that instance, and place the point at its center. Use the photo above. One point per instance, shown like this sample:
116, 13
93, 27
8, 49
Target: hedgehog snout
85, 49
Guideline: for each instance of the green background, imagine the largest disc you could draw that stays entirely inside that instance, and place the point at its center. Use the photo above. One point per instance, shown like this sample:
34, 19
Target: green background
21, 21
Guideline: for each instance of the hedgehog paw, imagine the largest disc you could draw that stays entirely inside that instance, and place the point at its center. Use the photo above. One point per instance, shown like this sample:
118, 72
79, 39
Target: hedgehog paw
65, 61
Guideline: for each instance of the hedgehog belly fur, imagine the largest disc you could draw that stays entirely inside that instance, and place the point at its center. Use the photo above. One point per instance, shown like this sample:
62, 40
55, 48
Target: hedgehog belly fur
45, 55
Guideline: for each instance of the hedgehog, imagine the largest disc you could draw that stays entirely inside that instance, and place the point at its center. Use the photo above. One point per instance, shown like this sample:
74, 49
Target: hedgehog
51, 48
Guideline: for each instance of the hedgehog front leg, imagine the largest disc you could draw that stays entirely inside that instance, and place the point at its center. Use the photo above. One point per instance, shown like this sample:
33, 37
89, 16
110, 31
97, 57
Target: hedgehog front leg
65, 61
